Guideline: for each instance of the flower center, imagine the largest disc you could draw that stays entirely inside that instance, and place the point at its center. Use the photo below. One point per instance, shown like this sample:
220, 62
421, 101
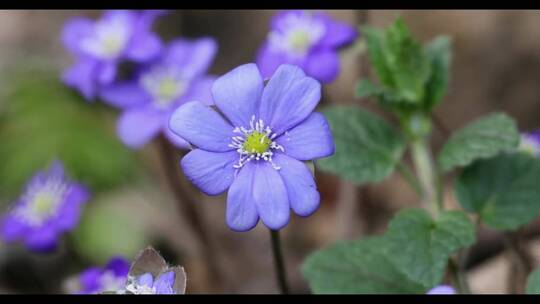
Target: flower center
109, 38
42, 202
164, 84
529, 145
297, 34
255, 143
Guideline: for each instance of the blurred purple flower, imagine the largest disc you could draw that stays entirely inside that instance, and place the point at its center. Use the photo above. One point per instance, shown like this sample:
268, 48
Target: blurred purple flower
257, 150
308, 40
99, 46
146, 284
110, 278
530, 143
49, 206
442, 289
177, 76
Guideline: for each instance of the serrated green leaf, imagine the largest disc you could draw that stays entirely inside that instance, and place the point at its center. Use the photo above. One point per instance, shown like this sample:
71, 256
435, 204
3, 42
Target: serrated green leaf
503, 190
367, 148
355, 267
425, 244
483, 138
375, 43
43, 120
439, 55
533, 282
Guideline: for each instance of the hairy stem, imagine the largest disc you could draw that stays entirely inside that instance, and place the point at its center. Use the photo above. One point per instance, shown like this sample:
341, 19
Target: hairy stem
423, 164
188, 206
279, 264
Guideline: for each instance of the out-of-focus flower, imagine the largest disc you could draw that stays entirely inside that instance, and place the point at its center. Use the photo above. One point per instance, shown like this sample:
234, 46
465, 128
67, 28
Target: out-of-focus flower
150, 274
179, 75
108, 279
442, 289
309, 40
257, 150
99, 46
530, 143
50, 205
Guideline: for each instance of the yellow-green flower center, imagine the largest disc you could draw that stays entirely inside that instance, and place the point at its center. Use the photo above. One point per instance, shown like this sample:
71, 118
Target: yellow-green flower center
300, 41
257, 142
43, 203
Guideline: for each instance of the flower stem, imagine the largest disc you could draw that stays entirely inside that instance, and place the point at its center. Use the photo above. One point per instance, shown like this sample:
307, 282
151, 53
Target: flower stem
279, 264
426, 174
188, 207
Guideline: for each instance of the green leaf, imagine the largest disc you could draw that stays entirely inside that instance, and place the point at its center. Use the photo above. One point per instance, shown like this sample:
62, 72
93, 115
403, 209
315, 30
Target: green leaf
367, 148
424, 244
483, 138
503, 190
533, 282
43, 120
439, 55
407, 61
356, 267
375, 42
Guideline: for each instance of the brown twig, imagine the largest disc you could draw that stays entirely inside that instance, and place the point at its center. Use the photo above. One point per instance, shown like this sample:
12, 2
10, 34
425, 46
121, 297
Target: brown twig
188, 206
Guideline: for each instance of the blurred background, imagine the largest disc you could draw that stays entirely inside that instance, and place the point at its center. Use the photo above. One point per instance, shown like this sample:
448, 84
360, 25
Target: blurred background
496, 66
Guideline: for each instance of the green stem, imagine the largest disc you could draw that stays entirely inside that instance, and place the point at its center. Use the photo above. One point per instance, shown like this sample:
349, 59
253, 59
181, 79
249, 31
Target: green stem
279, 263
423, 164
409, 177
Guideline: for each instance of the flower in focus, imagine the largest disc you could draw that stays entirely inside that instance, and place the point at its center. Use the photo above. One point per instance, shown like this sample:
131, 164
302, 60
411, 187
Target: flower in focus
99, 46
150, 274
530, 143
177, 76
257, 149
442, 289
50, 205
308, 40
110, 278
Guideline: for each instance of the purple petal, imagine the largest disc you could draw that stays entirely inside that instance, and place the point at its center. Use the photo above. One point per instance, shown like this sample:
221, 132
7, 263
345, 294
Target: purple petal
123, 95
311, 139
138, 126
164, 283
323, 65
201, 90
276, 89
241, 210
337, 33
202, 126
12, 229
81, 77
174, 139
106, 72
211, 172
119, 266
69, 212
301, 188
144, 47
146, 279
270, 196
268, 61
194, 57
74, 31
42, 239
286, 103
237, 94
89, 280
442, 289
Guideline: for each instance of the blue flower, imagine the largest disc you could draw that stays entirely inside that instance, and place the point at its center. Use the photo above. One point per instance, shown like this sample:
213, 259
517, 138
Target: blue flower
100, 46
256, 151
530, 143
308, 40
110, 278
178, 75
145, 284
50, 205
442, 289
